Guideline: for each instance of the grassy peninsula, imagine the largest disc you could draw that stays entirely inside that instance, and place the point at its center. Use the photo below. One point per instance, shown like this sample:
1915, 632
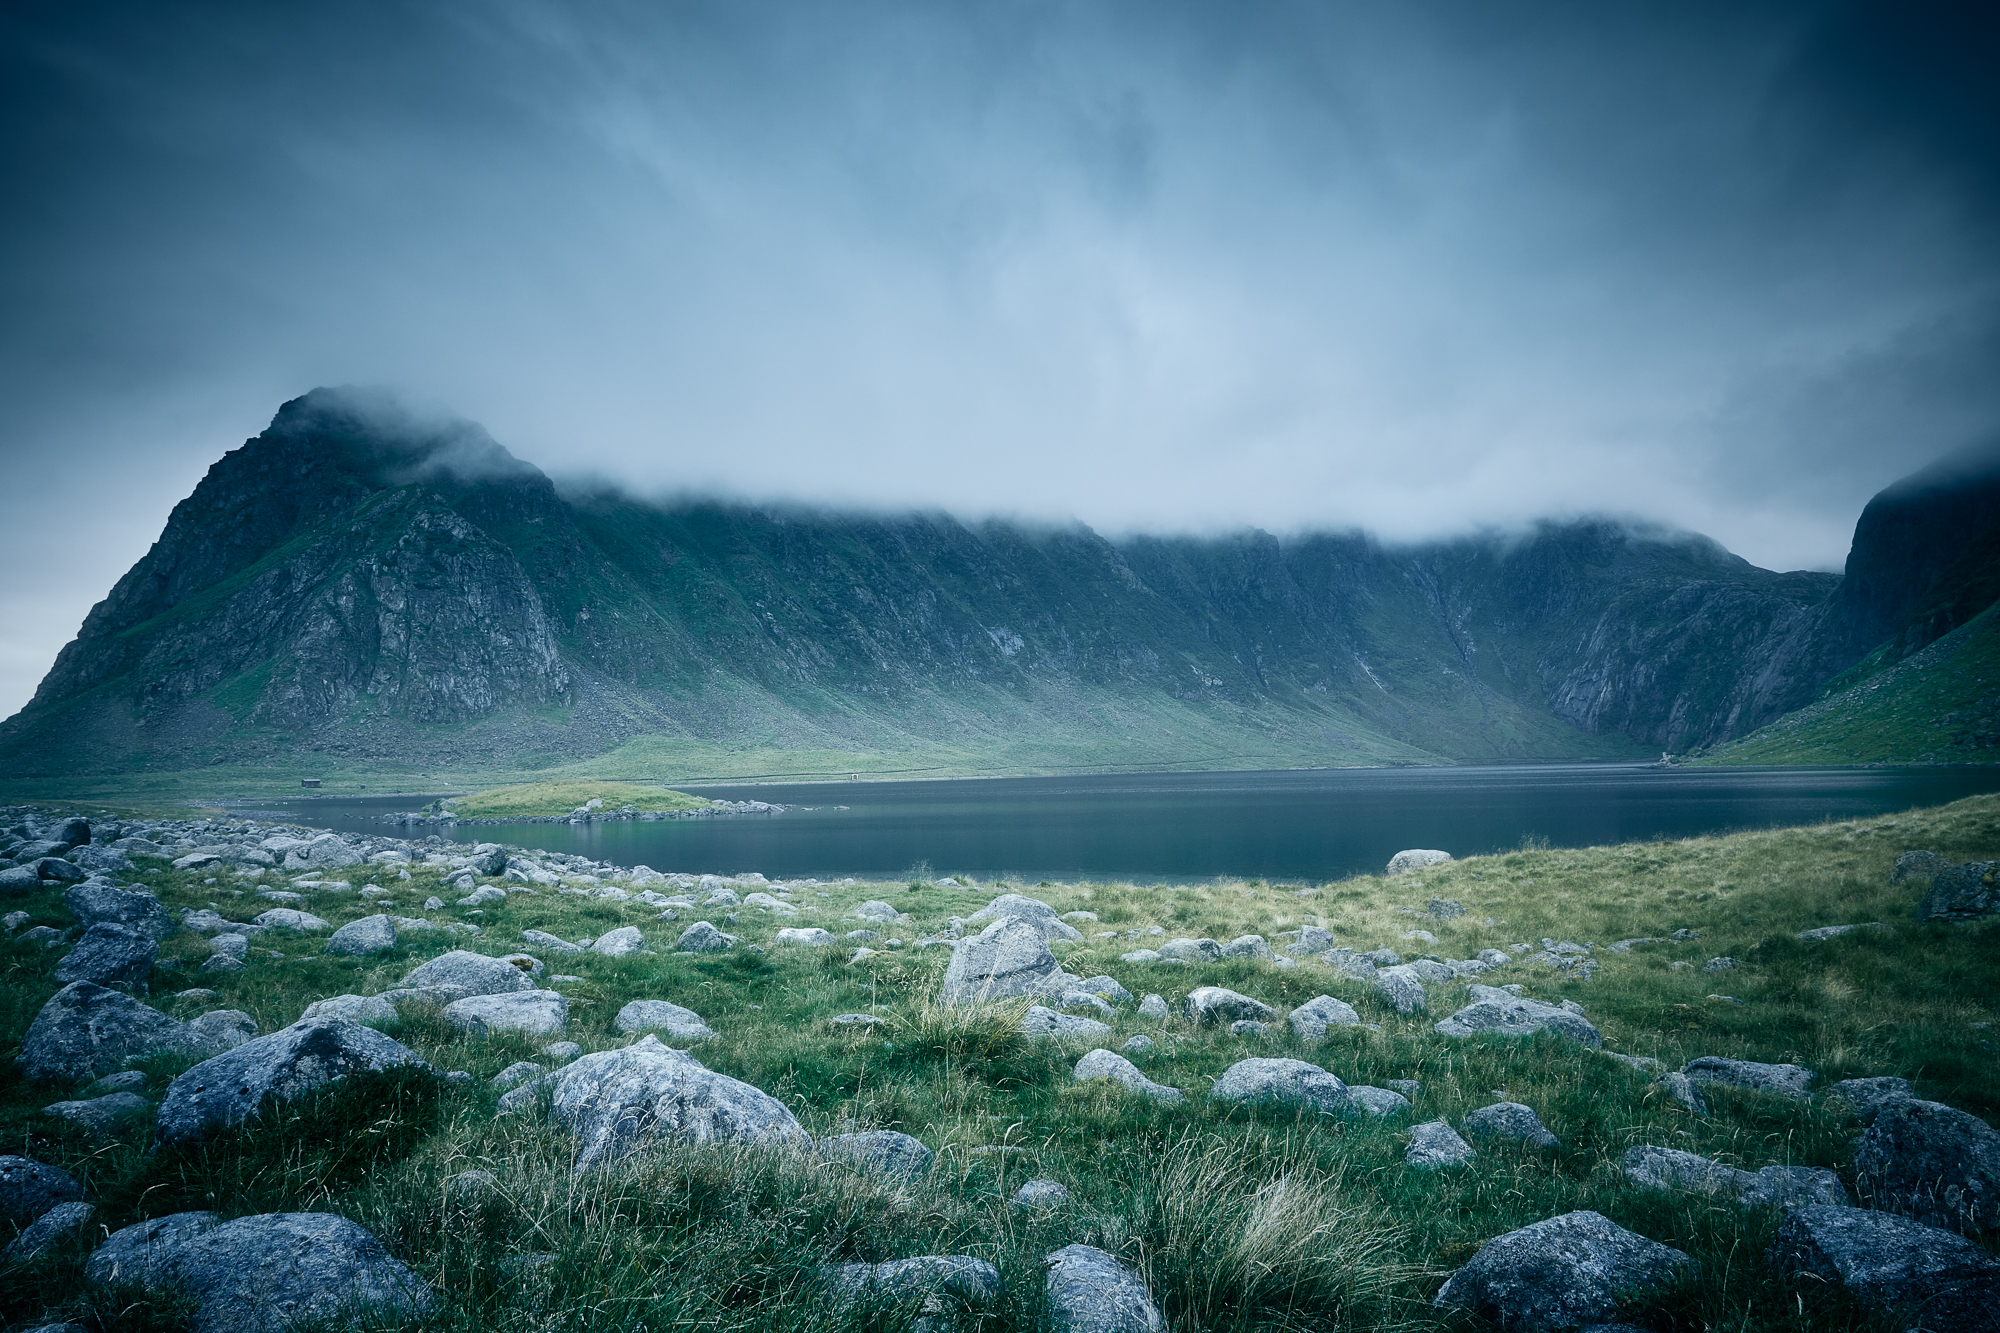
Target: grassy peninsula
543, 799
1238, 1219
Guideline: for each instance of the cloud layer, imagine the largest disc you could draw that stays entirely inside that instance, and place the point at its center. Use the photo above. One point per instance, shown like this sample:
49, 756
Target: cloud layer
1416, 268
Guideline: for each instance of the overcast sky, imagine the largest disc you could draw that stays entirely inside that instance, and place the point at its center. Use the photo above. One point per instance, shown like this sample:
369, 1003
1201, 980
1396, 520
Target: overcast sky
1418, 267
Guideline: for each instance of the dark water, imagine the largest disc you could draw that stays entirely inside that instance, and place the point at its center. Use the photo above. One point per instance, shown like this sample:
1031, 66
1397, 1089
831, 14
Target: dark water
1286, 825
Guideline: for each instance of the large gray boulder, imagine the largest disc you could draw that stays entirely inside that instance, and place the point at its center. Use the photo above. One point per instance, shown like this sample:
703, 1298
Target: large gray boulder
87, 1031
1284, 1082
265, 1274
225, 1090
883, 1150
29, 1188
1930, 1278
1402, 987
110, 955
1102, 1064
1962, 893
220, 1030
1780, 1080
1015, 907
1921, 867
1091, 1292
1010, 957
658, 1015
93, 901
704, 937
617, 1102
101, 860
369, 1009
1869, 1097
1311, 1020
539, 1013
1933, 1163
1494, 1010
1436, 1144
370, 935
1785, 1186
1187, 950
1416, 858
1509, 1120
1568, 1272
1213, 1004
620, 942
478, 974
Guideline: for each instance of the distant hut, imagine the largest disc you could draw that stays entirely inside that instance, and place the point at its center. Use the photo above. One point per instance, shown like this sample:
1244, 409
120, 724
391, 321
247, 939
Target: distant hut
309, 782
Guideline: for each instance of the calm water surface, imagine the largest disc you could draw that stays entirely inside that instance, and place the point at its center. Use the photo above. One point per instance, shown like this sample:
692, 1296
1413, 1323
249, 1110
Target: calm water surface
1287, 825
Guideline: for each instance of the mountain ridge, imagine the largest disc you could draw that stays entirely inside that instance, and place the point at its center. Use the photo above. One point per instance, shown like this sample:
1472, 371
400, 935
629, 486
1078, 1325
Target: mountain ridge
360, 586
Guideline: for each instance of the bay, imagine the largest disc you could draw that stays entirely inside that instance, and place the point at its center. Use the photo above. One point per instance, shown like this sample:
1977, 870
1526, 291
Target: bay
1302, 826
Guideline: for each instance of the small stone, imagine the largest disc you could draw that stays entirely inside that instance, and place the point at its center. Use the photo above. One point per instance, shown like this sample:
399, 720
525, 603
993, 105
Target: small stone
1402, 863
1719, 965
1311, 1020
883, 1150
658, 1015
1683, 1090
1436, 1144
620, 943
1444, 909
857, 1020
701, 937
1401, 987
1040, 1194
1376, 1101
1138, 1043
1102, 1064
1509, 1120
807, 936
1153, 1007
1040, 1021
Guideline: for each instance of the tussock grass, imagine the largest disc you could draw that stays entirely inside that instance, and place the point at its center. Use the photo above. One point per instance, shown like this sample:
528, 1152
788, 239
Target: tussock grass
1240, 1218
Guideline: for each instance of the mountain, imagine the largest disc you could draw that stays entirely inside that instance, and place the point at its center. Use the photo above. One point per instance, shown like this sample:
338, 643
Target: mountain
361, 590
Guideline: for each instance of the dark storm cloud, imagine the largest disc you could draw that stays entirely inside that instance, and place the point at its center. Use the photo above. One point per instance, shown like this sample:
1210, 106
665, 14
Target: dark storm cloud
1416, 267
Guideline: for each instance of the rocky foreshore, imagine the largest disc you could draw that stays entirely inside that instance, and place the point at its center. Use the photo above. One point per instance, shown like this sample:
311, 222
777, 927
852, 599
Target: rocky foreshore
417, 818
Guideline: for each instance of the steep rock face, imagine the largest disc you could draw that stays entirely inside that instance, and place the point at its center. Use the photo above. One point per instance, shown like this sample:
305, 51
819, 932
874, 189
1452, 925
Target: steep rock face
357, 580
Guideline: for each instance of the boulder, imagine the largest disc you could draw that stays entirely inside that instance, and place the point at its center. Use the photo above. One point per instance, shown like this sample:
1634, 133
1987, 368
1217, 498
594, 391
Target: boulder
548, 943
1509, 1120
369, 1009
1102, 1064
882, 1150
1040, 1194
540, 1013
100, 860
28, 1189
1444, 909
1416, 858
658, 1015
87, 1031
1922, 867
1403, 988
74, 832
1683, 1090
1010, 957
1292, 1083
1248, 946
1376, 1101
1015, 907
358, 939
1040, 1021
1784, 1186
619, 1101
477, 973
92, 902
55, 870
1436, 1144
702, 937
1311, 1020
264, 1274
1884, 1263
1191, 951
1091, 1292
1495, 1010
521, 1071
1153, 1007
110, 955
879, 911
290, 918
937, 1285
220, 1030
1213, 1004
100, 1116
1962, 893
809, 936
1868, 1097
482, 895
1312, 941
1782, 1080
1568, 1272
1108, 987
620, 942
225, 1090
1931, 1162
65, 1221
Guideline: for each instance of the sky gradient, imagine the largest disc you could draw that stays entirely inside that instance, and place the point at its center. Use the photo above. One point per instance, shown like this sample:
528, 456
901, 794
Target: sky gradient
1413, 267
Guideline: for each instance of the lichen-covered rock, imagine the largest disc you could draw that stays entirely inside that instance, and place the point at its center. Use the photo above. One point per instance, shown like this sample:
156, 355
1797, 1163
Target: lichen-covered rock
94, 901
620, 942
1402, 987
1275, 1080
1311, 1020
1869, 1097
369, 935
617, 1102
1091, 1292
110, 954
1416, 858
1509, 1120
1568, 1272
100, 1116
29, 1188
809, 937
1885, 1263
223, 1091
1041, 1021
1016, 907
86, 1031
1102, 1064
678, 1023
1213, 1004
704, 937
289, 918
1010, 957
369, 1009
64, 1222
1933, 1163
1248, 946
540, 1013
1376, 1101
1785, 1186
1435, 1144
1962, 893
142, 1253
478, 974
885, 1150
1191, 951
1495, 1010
1781, 1080
939, 1285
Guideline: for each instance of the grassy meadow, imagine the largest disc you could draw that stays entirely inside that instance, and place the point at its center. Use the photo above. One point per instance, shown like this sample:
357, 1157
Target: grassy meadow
1239, 1219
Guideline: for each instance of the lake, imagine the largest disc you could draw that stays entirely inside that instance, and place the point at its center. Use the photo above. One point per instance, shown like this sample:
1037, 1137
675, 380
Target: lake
1290, 825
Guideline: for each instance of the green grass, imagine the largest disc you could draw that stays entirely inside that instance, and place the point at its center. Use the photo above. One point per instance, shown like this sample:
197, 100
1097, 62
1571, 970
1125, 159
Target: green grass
1241, 1220
560, 798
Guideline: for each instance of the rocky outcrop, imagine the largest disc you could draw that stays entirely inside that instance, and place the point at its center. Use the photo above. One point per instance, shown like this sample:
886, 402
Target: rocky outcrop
617, 1102
1495, 1010
1887, 1264
1933, 1163
222, 1092
1010, 957
1569, 1272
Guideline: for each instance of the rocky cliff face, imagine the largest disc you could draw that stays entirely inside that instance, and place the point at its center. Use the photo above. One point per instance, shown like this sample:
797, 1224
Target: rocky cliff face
372, 586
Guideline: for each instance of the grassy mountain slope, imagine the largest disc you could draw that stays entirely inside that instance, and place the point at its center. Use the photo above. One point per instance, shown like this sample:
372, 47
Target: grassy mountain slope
1240, 1219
